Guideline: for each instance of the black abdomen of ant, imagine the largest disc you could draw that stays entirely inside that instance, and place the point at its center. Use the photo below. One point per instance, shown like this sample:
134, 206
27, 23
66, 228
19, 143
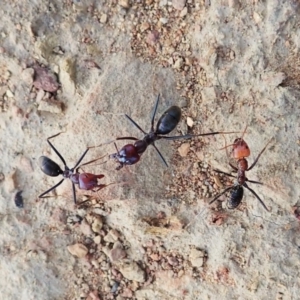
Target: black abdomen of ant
236, 197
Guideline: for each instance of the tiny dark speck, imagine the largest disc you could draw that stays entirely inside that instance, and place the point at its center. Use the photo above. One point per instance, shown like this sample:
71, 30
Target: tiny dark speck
19, 199
115, 287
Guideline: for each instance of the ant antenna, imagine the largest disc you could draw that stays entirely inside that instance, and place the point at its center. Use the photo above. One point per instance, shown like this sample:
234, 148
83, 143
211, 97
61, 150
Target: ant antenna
161, 156
54, 149
116, 147
154, 113
244, 131
135, 124
199, 214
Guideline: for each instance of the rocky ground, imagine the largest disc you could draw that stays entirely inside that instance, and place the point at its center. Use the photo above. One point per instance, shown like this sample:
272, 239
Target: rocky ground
77, 67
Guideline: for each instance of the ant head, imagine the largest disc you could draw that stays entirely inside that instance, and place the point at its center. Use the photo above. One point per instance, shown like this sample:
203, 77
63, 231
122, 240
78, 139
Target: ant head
240, 149
128, 155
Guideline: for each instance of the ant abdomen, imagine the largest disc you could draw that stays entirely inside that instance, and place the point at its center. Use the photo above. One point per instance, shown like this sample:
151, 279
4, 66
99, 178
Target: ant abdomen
169, 120
49, 167
235, 198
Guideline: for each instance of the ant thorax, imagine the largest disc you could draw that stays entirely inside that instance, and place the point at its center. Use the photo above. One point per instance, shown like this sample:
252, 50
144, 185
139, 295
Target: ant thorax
141, 146
241, 177
242, 164
68, 173
150, 138
74, 178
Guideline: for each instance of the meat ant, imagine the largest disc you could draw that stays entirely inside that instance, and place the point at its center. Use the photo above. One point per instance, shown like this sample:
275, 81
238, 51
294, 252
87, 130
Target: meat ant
240, 150
130, 154
85, 181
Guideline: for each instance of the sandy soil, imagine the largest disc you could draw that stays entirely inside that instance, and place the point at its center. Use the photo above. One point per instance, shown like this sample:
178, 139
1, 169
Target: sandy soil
228, 65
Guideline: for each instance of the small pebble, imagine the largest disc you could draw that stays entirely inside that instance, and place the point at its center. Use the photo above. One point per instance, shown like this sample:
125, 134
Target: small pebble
26, 165
40, 95
97, 224
45, 79
155, 256
85, 228
27, 76
9, 94
217, 181
178, 63
189, 122
184, 12
197, 257
78, 250
178, 4
152, 37
103, 19
50, 105
112, 236
184, 149
124, 3
10, 182
144, 26
97, 239
117, 252
132, 271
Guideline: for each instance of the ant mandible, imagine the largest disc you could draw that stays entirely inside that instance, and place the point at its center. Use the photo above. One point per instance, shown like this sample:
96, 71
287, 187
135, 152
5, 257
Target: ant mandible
240, 150
130, 154
85, 181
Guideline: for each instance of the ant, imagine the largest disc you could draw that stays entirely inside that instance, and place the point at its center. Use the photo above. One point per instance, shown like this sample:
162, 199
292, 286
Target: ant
239, 152
130, 154
85, 181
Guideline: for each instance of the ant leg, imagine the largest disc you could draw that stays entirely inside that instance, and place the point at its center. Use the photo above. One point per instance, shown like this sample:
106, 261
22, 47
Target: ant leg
81, 158
199, 214
102, 186
256, 160
89, 162
106, 143
252, 181
218, 196
54, 149
127, 138
161, 156
154, 113
233, 167
55, 186
116, 147
227, 155
134, 123
218, 171
244, 131
252, 191
189, 136
74, 193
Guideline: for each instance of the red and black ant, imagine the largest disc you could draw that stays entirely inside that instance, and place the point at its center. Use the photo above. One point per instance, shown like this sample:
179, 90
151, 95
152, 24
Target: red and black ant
130, 154
85, 181
240, 151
